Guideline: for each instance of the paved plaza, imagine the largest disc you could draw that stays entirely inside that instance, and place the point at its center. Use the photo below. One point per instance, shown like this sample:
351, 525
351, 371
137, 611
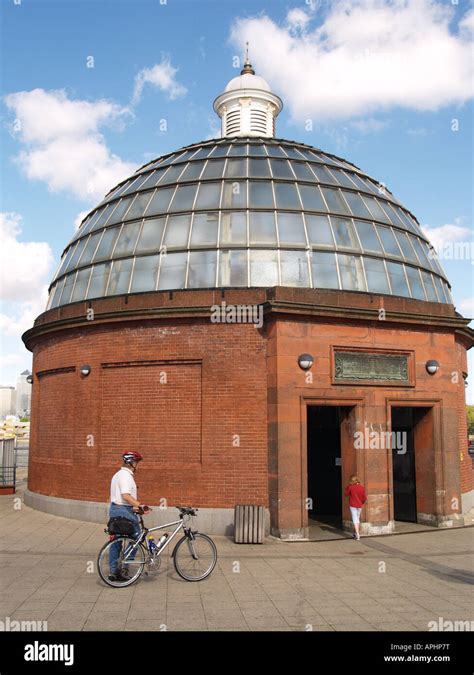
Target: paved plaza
399, 582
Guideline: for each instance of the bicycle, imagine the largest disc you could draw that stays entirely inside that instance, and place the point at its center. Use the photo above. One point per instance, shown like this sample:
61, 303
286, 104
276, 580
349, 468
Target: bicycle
194, 556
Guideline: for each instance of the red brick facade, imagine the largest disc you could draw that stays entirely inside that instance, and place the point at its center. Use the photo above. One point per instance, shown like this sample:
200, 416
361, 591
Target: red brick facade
219, 410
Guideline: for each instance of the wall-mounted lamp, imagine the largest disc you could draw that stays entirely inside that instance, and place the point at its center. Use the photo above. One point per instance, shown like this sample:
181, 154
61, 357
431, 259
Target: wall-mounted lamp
29, 379
85, 370
305, 361
432, 367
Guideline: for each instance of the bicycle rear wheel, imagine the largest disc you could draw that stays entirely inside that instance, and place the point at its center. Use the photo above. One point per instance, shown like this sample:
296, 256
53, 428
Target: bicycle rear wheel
195, 557
129, 566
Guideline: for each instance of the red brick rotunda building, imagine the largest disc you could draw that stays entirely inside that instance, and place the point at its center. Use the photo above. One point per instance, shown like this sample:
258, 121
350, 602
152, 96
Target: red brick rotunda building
260, 319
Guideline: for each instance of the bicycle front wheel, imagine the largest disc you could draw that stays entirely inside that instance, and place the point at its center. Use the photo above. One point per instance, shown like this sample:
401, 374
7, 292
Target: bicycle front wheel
121, 562
195, 557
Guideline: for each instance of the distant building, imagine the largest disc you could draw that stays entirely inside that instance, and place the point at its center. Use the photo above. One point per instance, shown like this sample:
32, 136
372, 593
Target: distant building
7, 401
23, 394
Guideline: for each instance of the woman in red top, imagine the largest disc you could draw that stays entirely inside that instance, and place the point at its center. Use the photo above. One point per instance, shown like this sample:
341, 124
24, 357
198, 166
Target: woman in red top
357, 498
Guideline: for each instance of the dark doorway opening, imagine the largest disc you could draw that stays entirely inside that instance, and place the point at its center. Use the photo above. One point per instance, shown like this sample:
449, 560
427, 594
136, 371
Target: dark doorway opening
412, 442
325, 464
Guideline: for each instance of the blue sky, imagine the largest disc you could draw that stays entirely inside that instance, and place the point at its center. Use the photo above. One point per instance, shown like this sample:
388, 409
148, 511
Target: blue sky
384, 84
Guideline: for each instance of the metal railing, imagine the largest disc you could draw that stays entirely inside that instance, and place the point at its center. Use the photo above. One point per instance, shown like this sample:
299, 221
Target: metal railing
7, 462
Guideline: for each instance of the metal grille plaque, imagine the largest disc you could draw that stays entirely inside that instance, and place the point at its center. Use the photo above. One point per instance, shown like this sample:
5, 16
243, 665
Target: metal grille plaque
372, 367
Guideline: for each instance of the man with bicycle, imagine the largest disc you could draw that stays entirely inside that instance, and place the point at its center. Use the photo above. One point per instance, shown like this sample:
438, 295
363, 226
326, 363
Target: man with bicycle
124, 503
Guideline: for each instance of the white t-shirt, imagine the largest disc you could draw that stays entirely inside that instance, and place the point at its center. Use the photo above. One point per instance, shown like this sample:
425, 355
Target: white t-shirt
123, 482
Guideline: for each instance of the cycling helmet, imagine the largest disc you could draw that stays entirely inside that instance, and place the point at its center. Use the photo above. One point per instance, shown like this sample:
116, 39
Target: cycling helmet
130, 457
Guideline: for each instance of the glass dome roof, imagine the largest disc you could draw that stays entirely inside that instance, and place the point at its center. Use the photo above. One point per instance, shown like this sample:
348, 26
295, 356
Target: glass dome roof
248, 212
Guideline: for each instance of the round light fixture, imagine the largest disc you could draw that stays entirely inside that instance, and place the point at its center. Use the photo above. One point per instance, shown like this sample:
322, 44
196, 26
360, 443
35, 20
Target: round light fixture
85, 370
432, 367
305, 361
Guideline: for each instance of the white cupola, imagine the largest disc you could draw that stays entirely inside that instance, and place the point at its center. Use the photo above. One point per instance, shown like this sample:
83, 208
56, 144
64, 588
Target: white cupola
247, 107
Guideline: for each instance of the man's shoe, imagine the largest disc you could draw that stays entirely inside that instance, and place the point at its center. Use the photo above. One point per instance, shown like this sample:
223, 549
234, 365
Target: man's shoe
118, 577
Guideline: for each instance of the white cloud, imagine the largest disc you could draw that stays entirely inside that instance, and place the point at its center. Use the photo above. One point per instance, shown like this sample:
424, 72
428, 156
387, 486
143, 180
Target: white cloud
369, 125
162, 76
466, 307
25, 273
297, 19
63, 145
25, 266
364, 56
444, 235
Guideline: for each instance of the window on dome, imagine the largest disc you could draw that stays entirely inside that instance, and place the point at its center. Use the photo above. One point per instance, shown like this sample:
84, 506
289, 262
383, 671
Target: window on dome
292, 152
303, 172
286, 196
257, 149
192, 171
145, 273
202, 153
377, 281
294, 268
281, 169
183, 199
204, 229
214, 169
236, 168
127, 239
323, 174
109, 237
136, 185
259, 168
67, 289
439, 287
291, 229
66, 259
335, 202
55, 294
238, 149
104, 215
429, 286
356, 205
352, 274
98, 282
202, 269
422, 256
368, 236
404, 243
151, 180
233, 228
343, 179
275, 151
120, 211
376, 210
172, 175
262, 227
139, 205
324, 270
172, 271
89, 250
151, 235
319, 231
177, 231
76, 255
311, 197
120, 276
398, 281
233, 268
208, 196
234, 195
388, 241
160, 202
260, 195
414, 280
221, 151
263, 268
344, 233
80, 286
393, 215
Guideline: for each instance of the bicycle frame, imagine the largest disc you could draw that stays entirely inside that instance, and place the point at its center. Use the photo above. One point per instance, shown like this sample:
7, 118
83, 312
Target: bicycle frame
145, 530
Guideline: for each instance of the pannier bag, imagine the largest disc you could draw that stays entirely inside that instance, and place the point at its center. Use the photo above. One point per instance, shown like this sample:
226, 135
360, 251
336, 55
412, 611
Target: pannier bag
121, 525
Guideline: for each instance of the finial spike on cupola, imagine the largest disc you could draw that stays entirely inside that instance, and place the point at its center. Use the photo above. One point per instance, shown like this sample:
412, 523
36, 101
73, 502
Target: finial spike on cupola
248, 107
247, 65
